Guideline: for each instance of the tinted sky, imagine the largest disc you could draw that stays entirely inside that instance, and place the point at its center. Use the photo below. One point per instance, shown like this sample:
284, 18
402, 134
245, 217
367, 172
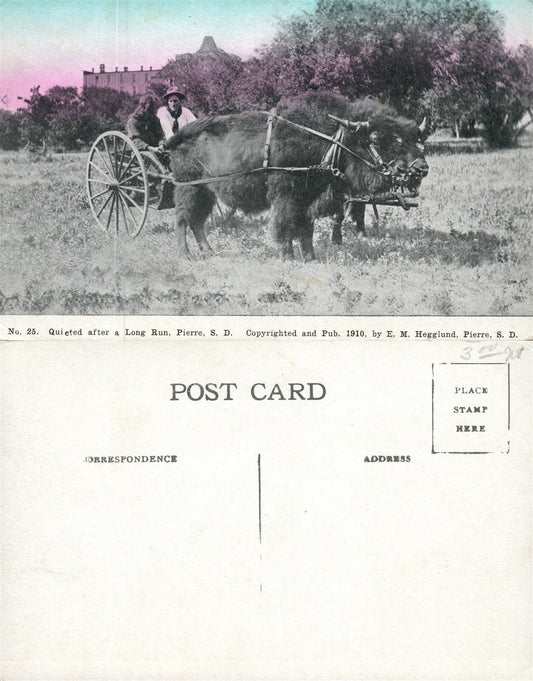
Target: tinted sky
50, 42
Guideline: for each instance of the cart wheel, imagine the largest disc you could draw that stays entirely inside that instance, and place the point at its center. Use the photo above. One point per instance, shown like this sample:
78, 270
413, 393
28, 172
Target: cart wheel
117, 184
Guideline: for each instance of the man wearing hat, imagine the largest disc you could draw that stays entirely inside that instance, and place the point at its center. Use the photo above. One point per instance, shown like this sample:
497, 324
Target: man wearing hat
174, 115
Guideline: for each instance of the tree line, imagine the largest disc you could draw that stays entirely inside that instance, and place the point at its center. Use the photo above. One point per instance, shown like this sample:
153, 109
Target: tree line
444, 59
64, 118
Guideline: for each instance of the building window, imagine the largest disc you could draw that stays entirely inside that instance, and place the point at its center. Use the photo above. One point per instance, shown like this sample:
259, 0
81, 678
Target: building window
120, 78
96, 79
108, 79
134, 89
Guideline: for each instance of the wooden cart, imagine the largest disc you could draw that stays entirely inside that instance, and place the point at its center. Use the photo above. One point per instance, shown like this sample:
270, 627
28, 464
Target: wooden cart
124, 184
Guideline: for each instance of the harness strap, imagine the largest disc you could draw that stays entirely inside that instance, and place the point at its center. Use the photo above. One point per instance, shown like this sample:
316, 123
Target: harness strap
331, 157
270, 123
375, 154
329, 160
219, 178
316, 133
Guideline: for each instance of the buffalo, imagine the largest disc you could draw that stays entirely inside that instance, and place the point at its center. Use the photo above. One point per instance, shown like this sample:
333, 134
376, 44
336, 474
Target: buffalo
375, 154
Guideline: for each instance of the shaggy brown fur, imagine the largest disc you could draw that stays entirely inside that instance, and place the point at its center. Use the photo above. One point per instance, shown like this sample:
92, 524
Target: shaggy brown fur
230, 144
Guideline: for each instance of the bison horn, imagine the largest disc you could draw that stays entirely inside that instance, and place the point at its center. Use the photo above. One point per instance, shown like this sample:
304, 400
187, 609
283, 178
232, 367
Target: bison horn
356, 125
342, 121
423, 125
350, 125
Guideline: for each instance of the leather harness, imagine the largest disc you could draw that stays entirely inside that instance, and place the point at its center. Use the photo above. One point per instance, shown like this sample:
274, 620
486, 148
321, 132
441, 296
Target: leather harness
328, 164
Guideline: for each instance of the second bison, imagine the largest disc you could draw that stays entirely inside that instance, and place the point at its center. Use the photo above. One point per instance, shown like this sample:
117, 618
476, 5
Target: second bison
376, 154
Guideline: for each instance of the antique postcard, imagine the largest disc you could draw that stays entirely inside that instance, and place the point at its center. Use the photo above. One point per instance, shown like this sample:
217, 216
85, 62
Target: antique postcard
266, 336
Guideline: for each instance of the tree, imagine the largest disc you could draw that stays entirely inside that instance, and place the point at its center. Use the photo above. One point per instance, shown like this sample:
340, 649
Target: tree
69, 120
523, 85
444, 57
51, 118
108, 109
209, 77
9, 130
256, 86
356, 48
34, 120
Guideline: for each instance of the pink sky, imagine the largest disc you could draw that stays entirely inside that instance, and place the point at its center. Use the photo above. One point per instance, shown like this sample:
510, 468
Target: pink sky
51, 42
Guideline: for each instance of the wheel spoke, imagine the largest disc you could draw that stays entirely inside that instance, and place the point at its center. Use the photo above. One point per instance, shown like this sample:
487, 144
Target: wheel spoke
135, 190
107, 175
128, 165
125, 205
110, 212
109, 154
121, 209
131, 201
104, 204
131, 177
91, 179
134, 225
152, 168
104, 191
115, 155
104, 162
119, 172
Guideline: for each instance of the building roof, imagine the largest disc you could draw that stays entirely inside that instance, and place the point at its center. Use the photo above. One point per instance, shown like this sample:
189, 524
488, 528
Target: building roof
208, 46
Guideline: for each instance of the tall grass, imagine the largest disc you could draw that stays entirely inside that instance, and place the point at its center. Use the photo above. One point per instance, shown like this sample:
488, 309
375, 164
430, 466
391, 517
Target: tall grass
465, 251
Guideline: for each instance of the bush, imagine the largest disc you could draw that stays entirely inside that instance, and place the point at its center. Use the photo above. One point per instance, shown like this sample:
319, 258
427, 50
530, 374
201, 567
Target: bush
9, 130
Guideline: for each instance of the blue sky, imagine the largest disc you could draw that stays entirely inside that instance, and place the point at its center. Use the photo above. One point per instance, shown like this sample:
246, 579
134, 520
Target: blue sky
50, 42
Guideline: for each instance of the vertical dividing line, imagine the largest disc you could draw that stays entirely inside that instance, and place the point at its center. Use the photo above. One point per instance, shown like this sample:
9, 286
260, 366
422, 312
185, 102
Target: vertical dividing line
509, 398
259, 511
259, 493
508, 407
433, 408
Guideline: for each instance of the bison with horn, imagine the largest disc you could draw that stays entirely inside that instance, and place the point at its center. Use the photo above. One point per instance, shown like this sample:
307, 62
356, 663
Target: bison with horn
285, 166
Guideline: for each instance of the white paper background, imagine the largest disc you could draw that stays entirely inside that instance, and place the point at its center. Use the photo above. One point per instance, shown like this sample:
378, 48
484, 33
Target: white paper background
155, 571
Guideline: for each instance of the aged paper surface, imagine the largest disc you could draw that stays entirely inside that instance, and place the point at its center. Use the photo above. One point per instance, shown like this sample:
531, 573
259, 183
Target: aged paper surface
169, 512
259, 497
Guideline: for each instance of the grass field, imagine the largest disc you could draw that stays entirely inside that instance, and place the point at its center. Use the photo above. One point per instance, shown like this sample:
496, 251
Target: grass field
465, 251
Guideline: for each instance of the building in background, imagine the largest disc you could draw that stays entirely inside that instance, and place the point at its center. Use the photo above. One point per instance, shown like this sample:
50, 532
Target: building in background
138, 82
132, 82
